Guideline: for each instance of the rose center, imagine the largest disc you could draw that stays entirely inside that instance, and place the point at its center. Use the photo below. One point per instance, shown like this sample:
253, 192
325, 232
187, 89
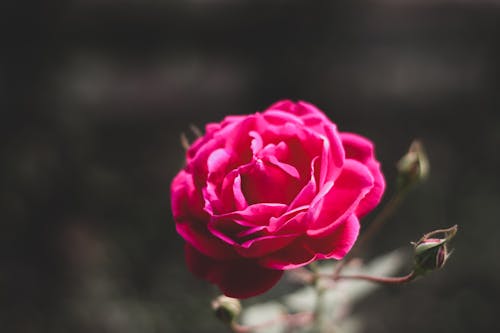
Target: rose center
267, 182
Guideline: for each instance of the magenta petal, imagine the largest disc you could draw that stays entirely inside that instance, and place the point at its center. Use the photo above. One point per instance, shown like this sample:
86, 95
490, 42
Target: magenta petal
361, 149
336, 149
237, 278
283, 105
261, 246
197, 165
308, 192
229, 227
217, 162
185, 200
278, 117
306, 250
231, 195
339, 242
196, 235
372, 199
357, 147
290, 222
266, 182
239, 198
250, 231
307, 109
180, 189
287, 168
341, 200
256, 144
237, 139
255, 215
297, 254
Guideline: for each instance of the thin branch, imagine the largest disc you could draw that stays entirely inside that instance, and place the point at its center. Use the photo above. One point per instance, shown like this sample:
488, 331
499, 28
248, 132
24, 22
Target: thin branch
383, 280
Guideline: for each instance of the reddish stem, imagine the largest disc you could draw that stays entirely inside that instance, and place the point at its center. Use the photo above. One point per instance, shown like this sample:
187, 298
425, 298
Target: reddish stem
376, 279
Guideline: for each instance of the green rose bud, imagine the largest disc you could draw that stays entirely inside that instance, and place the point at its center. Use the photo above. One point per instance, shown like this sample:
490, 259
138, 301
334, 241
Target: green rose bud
432, 252
413, 167
227, 309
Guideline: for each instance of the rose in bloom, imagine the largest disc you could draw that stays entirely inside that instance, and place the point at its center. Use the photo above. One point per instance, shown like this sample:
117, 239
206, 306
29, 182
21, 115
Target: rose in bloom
272, 191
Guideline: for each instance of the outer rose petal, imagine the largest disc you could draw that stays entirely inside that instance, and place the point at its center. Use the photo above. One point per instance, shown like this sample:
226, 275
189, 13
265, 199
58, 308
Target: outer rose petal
372, 199
306, 250
237, 278
195, 233
361, 149
302, 109
341, 200
338, 242
187, 202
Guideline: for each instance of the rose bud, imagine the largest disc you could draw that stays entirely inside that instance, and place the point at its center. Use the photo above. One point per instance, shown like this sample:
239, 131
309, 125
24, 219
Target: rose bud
431, 253
227, 309
413, 167
272, 191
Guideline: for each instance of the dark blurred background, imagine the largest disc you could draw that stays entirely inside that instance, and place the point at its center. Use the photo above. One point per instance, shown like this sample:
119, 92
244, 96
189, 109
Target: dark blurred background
95, 93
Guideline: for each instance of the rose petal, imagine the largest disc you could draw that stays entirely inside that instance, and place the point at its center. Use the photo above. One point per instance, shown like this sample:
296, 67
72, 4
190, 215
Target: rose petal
283, 105
280, 151
362, 150
248, 239
297, 254
238, 278
196, 234
301, 109
308, 109
339, 242
231, 196
237, 136
290, 222
336, 150
255, 215
261, 246
239, 198
341, 200
186, 201
228, 227
257, 143
373, 198
250, 231
278, 117
305, 250
307, 192
357, 147
287, 168
217, 163
197, 165
265, 182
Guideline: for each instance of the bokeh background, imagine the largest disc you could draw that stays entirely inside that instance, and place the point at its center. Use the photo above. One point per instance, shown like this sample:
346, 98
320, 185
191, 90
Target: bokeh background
95, 93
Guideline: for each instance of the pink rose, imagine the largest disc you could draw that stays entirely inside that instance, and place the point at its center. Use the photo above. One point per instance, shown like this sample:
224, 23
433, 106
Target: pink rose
272, 191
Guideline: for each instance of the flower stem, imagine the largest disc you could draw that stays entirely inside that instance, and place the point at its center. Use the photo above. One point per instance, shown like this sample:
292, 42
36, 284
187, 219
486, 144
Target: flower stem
382, 280
318, 307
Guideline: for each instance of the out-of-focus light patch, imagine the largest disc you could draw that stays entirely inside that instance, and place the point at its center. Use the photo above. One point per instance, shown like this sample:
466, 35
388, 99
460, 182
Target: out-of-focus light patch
410, 74
105, 85
417, 74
